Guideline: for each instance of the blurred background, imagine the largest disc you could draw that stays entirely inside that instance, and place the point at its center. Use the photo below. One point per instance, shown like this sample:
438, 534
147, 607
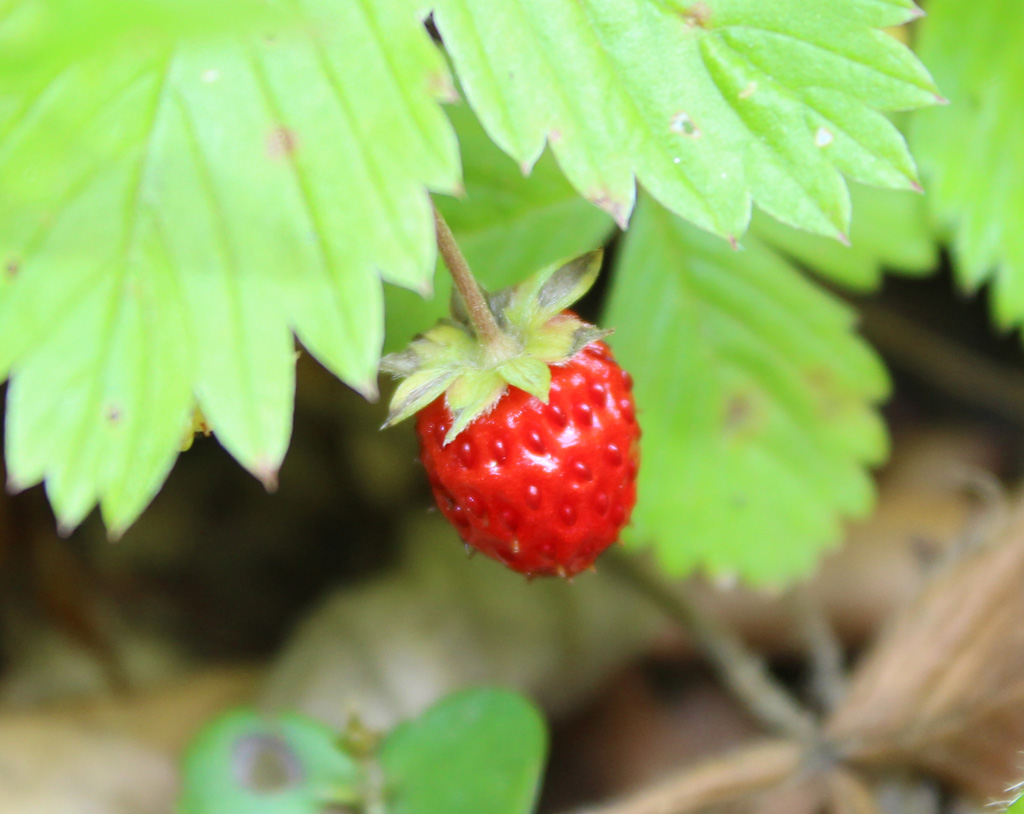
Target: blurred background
346, 592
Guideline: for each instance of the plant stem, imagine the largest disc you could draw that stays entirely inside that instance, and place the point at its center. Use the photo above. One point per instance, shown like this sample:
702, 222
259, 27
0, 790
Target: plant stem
824, 649
741, 670
476, 305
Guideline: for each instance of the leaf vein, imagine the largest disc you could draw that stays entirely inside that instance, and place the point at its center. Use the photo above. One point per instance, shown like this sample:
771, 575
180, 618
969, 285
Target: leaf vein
229, 256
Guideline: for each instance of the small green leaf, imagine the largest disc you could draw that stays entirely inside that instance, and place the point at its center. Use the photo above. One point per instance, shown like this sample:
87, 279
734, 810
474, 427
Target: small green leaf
758, 403
710, 105
246, 763
970, 151
475, 751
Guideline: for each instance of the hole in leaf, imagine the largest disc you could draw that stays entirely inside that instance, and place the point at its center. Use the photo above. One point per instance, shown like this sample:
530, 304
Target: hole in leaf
682, 123
265, 764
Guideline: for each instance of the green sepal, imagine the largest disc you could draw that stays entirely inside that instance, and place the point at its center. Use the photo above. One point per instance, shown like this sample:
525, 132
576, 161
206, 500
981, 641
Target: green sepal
416, 392
471, 395
550, 291
473, 377
562, 338
528, 373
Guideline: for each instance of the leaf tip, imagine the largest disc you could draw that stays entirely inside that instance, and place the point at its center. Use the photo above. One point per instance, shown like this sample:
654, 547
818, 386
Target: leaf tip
843, 238
916, 186
443, 89
619, 210
266, 473
940, 99
368, 389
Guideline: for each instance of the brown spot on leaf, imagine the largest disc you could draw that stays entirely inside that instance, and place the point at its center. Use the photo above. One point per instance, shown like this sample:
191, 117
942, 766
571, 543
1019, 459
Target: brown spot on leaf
12, 266
739, 412
114, 414
698, 15
282, 142
619, 210
823, 384
442, 89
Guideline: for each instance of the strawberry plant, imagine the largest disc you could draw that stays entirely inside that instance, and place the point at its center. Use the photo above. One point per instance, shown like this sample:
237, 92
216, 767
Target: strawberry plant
193, 198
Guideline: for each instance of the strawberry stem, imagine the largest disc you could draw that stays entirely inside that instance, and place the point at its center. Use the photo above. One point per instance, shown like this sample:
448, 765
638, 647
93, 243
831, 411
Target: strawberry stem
479, 311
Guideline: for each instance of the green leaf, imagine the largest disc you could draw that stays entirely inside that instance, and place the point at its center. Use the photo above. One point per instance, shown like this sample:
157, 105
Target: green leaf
173, 210
970, 151
890, 232
246, 763
507, 225
756, 399
475, 751
40, 38
710, 105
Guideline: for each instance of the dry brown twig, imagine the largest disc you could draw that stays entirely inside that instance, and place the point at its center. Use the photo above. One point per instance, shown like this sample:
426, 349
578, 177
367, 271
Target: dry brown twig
941, 695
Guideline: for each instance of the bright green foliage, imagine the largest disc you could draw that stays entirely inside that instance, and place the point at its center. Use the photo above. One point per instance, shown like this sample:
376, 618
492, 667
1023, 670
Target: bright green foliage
245, 763
169, 217
39, 38
756, 399
1017, 806
708, 104
475, 751
184, 193
890, 231
971, 151
508, 225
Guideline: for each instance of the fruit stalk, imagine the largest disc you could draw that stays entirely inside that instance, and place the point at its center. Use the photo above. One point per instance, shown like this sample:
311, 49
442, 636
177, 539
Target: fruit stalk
479, 311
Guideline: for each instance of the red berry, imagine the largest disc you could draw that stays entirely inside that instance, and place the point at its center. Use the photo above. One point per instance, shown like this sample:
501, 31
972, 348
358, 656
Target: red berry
544, 488
527, 425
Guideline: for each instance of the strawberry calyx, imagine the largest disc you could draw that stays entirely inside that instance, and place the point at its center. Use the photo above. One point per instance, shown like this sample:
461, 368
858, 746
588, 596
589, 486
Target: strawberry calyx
534, 332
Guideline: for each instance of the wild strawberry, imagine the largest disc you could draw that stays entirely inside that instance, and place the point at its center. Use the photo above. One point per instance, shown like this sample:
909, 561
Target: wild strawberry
530, 442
